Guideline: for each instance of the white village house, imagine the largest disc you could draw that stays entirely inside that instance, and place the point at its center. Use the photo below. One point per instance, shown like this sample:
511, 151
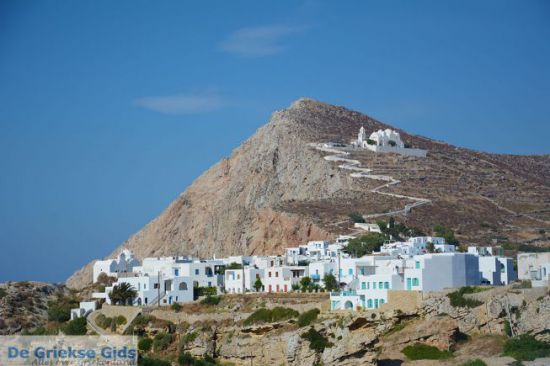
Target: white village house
534, 267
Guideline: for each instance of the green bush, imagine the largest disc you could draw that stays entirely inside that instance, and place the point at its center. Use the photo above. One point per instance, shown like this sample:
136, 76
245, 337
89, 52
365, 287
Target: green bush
356, 217
162, 341
42, 331
331, 283
280, 313
420, 351
3, 293
317, 341
307, 317
276, 314
176, 307
211, 300
458, 300
189, 338
526, 348
476, 362
75, 327
105, 322
147, 361
120, 320
145, 344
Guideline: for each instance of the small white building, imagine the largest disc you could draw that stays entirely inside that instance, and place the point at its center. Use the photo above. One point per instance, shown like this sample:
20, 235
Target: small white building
375, 276
385, 141
238, 281
85, 308
152, 290
281, 279
318, 270
371, 228
125, 262
534, 267
417, 245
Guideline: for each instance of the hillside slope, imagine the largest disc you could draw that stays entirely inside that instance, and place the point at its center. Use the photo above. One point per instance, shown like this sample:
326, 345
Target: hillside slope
275, 191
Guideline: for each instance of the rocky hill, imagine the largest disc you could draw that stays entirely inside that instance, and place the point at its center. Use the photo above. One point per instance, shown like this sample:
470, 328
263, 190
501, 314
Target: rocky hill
275, 191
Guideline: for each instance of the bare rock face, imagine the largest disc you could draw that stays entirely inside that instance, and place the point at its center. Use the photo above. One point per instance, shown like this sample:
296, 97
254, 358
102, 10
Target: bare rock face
275, 191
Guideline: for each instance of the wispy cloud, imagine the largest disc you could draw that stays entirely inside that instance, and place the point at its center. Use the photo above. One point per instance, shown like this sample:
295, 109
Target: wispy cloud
258, 41
183, 103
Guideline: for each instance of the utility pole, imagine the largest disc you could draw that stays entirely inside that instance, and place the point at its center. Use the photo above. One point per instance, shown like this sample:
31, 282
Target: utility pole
244, 282
339, 280
158, 289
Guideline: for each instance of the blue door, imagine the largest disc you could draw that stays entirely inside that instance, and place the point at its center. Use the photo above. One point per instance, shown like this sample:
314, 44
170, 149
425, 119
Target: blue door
170, 300
409, 284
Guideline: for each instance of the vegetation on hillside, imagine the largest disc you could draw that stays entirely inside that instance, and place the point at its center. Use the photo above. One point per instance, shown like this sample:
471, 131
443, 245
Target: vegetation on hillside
317, 341
356, 217
59, 310
211, 300
365, 244
476, 362
148, 361
421, 351
446, 233
307, 317
276, 314
458, 300
75, 327
526, 348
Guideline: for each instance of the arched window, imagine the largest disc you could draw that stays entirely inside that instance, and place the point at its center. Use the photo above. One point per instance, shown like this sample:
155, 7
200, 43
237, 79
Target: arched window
183, 286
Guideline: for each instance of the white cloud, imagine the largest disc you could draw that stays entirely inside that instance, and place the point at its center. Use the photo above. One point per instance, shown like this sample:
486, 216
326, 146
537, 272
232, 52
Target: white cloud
183, 103
258, 41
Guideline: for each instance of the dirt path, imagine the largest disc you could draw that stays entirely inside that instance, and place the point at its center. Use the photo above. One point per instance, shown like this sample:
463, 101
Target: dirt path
359, 172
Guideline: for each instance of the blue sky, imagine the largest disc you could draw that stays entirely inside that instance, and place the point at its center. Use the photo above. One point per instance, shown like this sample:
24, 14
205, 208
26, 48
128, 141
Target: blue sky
109, 109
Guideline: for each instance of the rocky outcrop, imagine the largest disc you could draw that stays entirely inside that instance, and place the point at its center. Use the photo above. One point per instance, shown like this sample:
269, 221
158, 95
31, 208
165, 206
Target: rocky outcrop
527, 311
282, 343
276, 191
23, 305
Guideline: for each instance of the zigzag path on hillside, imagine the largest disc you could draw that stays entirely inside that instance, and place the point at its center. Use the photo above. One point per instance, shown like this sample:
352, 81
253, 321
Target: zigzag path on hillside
358, 172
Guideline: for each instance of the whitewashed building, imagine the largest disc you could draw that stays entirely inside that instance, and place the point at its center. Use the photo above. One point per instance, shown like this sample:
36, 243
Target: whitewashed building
281, 279
238, 281
375, 276
125, 262
385, 141
152, 290
534, 267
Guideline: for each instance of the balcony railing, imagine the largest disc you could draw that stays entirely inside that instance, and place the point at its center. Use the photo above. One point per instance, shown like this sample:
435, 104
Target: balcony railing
344, 293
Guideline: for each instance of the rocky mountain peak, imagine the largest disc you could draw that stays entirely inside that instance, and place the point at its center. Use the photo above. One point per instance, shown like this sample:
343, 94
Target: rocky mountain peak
276, 191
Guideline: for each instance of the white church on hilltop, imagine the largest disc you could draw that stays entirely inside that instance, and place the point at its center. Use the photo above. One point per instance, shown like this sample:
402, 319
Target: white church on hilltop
385, 141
